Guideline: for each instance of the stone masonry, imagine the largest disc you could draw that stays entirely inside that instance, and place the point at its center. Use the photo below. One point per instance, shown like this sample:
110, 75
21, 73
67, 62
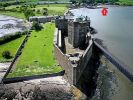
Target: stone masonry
77, 31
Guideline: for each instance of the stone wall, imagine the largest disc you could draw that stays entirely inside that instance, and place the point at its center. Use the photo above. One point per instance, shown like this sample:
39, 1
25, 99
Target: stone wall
77, 32
123, 68
18, 53
72, 72
62, 23
42, 19
65, 63
83, 61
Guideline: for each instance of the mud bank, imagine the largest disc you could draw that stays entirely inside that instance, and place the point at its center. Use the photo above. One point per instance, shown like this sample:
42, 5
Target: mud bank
11, 25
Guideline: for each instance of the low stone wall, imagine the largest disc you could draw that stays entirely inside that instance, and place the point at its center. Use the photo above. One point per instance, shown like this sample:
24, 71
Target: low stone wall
16, 56
42, 19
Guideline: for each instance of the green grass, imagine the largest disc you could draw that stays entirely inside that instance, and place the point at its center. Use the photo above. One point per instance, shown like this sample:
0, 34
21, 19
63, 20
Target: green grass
13, 14
37, 56
53, 9
125, 2
11, 46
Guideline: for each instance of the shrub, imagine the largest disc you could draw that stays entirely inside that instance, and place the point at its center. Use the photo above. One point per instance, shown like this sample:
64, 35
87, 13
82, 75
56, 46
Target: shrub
36, 26
28, 13
38, 11
6, 54
2, 8
33, 10
45, 11
11, 37
17, 7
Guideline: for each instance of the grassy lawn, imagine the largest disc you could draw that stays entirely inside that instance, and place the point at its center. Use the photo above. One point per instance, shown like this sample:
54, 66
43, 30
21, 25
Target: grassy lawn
37, 56
125, 2
53, 9
13, 14
11, 46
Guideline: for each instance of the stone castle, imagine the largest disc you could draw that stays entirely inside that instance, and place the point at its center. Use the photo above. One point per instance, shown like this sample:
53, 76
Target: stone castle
72, 45
75, 29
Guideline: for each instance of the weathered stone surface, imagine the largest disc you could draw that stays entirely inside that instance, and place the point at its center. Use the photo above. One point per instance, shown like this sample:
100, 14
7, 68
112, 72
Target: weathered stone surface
52, 88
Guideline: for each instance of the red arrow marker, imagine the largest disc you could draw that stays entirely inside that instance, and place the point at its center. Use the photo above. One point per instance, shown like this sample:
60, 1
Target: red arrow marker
104, 11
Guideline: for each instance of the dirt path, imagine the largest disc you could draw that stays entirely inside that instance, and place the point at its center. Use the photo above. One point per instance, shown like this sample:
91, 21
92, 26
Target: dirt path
3, 69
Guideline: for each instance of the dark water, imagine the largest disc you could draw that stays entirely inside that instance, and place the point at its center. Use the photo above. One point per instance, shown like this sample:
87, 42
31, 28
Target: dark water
115, 29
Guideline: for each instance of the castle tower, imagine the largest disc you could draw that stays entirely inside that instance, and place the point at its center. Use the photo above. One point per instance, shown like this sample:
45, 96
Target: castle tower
77, 31
62, 24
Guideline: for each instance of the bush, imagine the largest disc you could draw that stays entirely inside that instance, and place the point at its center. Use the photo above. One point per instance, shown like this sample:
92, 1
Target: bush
38, 11
28, 13
33, 10
36, 26
2, 8
6, 54
8, 38
45, 11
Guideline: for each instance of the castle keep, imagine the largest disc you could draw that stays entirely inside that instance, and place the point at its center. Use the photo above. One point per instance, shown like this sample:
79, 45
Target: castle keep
70, 36
77, 31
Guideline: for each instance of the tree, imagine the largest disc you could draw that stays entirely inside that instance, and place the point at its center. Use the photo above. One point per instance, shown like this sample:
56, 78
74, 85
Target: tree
6, 54
45, 11
73, 1
28, 13
36, 26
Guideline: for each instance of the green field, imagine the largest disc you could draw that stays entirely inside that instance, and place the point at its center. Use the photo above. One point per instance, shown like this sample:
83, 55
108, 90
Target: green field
13, 14
125, 2
35, 0
11, 46
37, 56
53, 9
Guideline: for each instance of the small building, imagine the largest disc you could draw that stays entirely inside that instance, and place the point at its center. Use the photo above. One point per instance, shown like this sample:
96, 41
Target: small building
77, 31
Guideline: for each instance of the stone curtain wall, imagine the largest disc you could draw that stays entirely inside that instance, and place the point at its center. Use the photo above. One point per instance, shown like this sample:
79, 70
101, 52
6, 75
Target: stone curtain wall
83, 62
63, 59
42, 19
65, 63
72, 73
